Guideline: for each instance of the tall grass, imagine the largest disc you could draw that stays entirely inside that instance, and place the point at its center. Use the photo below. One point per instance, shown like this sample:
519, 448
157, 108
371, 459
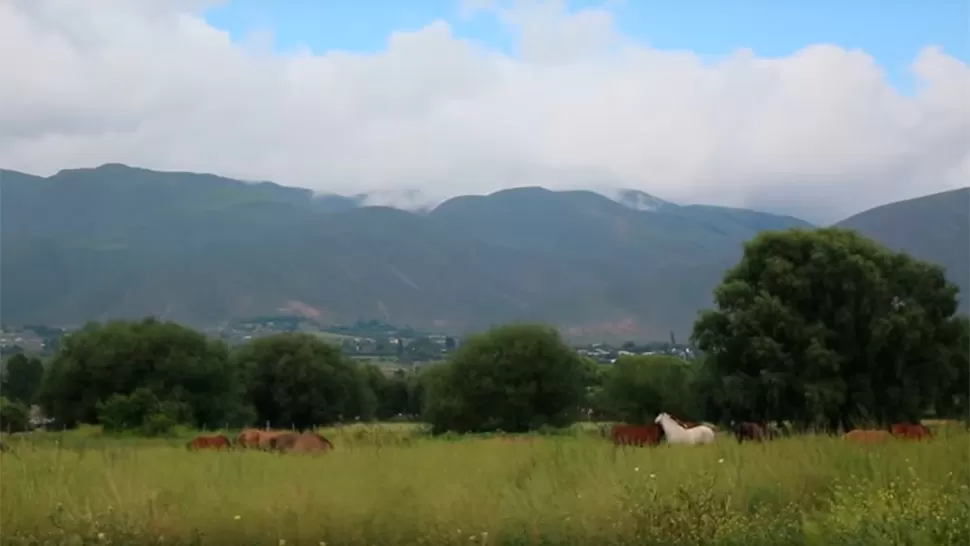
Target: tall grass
390, 487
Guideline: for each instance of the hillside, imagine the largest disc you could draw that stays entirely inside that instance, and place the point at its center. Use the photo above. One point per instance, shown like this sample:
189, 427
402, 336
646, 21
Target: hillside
935, 228
117, 241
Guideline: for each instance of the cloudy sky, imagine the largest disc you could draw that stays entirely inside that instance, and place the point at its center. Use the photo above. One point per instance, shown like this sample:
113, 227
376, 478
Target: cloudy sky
816, 108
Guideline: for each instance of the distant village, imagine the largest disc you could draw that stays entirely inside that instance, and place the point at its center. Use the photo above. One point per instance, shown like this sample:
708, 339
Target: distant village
371, 340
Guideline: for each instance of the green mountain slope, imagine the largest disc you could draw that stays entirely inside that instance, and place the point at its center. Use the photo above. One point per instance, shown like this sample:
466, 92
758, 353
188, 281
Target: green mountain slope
117, 241
935, 228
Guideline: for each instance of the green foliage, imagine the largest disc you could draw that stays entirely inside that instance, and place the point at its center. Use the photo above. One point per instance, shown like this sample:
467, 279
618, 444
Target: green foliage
934, 228
827, 327
171, 361
955, 401
142, 412
22, 377
512, 378
14, 415
550, 490
391, 392
639, 387
299, 380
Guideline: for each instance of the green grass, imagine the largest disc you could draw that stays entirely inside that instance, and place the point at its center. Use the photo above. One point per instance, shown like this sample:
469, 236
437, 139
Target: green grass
392, 486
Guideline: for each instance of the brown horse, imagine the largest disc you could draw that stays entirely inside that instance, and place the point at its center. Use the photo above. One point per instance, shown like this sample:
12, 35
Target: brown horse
867, 436
910, 431
218, 441
746, 430
303, 442
248, 438
255, 438
636, 435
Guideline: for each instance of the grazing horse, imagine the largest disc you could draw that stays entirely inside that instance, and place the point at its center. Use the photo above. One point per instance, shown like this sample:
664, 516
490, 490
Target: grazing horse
303, 442
248, 438
676, 434
910, 431
636, 435
866, 436
255, 438
746, 430
218, 441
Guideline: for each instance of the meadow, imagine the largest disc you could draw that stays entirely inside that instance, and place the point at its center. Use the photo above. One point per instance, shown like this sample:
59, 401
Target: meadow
392, 485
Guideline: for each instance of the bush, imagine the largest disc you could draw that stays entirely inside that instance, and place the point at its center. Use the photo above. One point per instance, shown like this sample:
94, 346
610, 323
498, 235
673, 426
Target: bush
511, 378
14, 416
143, 413
640, 387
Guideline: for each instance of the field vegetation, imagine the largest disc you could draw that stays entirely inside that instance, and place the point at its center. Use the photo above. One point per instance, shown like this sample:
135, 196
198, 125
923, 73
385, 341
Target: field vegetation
394, 485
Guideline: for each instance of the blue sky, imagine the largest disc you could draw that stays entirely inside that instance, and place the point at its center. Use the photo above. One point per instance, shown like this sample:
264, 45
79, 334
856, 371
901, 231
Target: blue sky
893, 31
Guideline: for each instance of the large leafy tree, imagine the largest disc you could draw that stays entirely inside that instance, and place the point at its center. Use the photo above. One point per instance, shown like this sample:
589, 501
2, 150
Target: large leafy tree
171, 361
637, 388
512, 378
827, 327
299, 380
955, 401
22, 377
391, 392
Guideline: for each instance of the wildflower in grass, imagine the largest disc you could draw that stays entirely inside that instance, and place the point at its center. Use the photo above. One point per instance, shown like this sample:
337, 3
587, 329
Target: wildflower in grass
653, 476
721, 460
636, 469
282, 542
237, 517
101, 536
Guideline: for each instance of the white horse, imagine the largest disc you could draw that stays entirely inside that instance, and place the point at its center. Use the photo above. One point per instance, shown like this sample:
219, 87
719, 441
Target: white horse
677, 434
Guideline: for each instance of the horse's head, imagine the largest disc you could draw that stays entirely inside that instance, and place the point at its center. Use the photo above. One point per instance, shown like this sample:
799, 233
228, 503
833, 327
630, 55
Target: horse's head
661, 417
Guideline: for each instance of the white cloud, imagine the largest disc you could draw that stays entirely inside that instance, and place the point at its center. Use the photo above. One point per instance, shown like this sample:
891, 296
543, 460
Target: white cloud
819, 134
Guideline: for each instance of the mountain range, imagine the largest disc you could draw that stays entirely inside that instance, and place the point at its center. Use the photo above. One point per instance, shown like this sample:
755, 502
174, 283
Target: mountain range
118, 241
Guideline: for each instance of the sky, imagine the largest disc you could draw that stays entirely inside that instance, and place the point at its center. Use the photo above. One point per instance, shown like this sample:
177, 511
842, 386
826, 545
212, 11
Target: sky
814, 108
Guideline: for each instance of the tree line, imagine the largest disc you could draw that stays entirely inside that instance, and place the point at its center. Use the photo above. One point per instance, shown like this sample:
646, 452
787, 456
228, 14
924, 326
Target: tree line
819, 328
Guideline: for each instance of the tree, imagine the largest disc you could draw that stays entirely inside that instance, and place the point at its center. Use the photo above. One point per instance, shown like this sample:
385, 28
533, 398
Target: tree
827, 327
143, 412
22, 378
175, 363
391, 392
14, 415
639, 387
955, 401
299, 380
512, 378
597, 403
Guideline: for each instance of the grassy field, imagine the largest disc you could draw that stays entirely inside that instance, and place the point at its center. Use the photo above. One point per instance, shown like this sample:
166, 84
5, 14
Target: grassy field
392, 486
